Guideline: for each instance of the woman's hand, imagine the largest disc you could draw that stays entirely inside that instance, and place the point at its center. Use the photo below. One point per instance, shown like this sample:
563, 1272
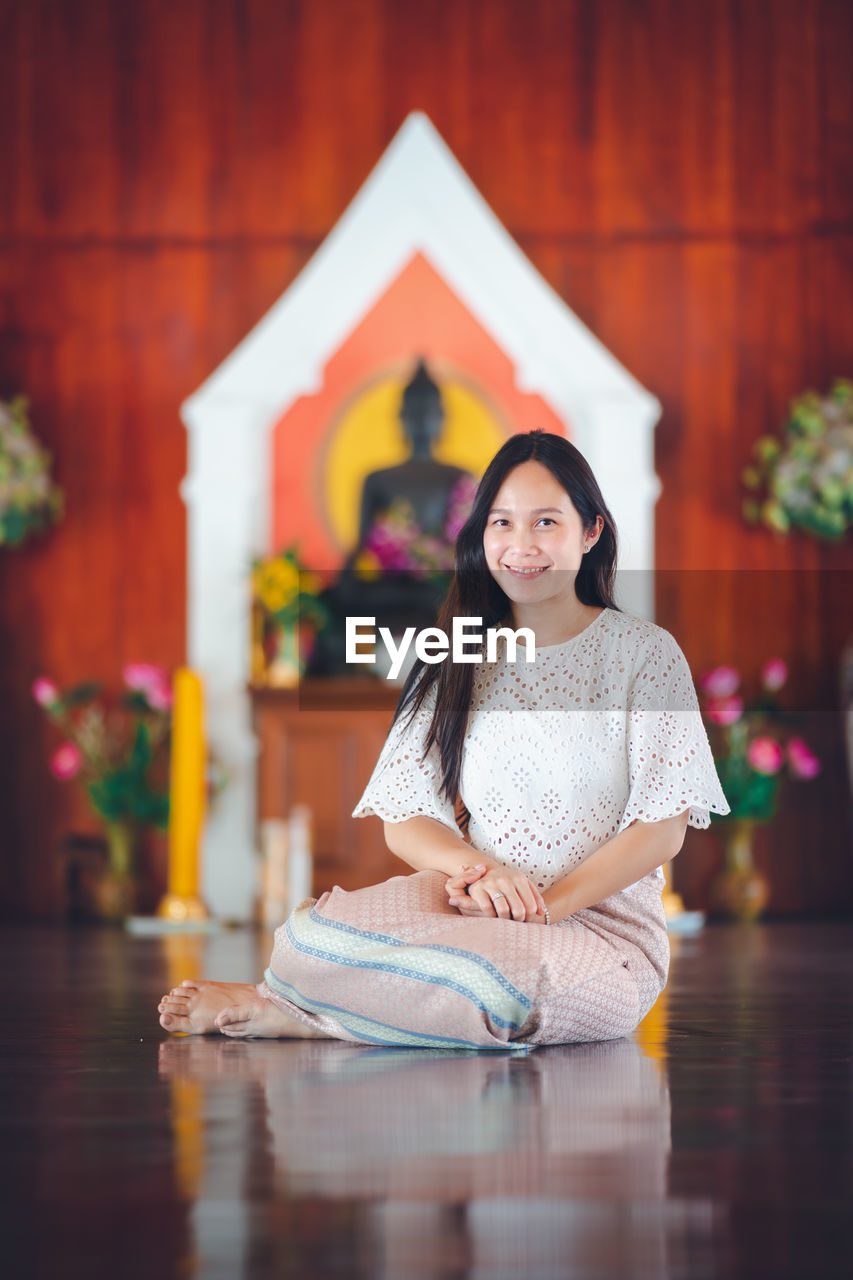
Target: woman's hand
495, 892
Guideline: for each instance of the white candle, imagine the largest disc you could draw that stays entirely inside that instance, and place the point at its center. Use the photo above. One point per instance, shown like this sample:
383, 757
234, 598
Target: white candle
300, 870
275, 841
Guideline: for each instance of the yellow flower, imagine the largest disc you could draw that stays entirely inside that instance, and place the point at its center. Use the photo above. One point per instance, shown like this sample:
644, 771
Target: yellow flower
287, 578
275, 582
274, 599
367, 565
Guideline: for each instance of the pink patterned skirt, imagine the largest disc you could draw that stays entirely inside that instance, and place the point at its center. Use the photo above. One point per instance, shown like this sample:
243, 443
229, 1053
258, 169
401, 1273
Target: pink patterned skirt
395, 964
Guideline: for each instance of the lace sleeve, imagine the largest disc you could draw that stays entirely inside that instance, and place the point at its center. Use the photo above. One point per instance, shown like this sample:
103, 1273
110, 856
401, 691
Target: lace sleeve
670, 764
404, 783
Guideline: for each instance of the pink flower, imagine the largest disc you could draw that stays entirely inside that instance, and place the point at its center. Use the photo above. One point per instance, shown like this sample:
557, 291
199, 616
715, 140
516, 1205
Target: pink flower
459, 506
143, 676
150, 681
45, 691
721, 682
803, 762
774, 674
725, 710
390, 545
66, 761
159, 697
765, 755
453, 525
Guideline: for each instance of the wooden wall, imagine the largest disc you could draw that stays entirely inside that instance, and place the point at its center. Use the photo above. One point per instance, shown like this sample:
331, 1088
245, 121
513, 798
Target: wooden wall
681, 173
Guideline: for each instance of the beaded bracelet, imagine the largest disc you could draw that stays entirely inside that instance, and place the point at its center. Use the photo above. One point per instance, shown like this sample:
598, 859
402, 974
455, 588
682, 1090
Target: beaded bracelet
547, 915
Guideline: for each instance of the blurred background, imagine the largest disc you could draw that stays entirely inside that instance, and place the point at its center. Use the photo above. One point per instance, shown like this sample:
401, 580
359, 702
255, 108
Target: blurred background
652, 253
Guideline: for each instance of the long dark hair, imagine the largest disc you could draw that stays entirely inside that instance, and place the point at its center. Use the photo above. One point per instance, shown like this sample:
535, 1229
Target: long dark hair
474, 592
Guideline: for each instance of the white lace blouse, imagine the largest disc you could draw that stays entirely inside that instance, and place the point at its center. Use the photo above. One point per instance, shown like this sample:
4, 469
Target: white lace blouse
564, 752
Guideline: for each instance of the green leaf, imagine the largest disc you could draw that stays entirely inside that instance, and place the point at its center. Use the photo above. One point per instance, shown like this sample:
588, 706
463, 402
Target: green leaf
750, 794
775, 517
128, 791
767, 448
140, 756
81, 693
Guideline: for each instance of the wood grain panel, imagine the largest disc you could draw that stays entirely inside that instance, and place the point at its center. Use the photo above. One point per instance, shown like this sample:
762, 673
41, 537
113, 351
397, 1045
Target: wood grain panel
682, 174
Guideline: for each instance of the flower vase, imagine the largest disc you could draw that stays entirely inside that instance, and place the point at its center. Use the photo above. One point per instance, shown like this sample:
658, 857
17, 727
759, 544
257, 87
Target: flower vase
116, 890
286, 667
258, 644
740, 889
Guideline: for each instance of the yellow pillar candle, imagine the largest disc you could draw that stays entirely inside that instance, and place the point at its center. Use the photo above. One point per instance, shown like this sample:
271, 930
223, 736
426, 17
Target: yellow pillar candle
186, 798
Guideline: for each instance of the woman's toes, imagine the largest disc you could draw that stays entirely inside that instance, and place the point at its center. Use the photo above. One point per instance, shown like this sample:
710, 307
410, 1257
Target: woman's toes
234, 1013
179, 1008
171, 1020
239, 1025
239, 1019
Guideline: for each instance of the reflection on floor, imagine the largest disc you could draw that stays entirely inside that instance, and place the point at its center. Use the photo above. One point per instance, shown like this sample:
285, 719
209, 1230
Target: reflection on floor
716, 1141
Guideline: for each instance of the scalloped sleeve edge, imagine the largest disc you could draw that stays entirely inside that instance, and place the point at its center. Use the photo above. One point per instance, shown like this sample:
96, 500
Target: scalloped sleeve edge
698, 817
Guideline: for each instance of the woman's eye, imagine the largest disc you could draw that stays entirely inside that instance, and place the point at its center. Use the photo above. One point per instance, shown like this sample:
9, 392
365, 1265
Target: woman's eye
547, 520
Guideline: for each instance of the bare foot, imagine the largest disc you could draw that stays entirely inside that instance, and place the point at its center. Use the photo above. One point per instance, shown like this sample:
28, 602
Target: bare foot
193, 1006
258, 1017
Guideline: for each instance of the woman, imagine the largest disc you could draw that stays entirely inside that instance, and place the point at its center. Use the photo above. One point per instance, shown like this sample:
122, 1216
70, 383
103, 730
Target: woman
536, 918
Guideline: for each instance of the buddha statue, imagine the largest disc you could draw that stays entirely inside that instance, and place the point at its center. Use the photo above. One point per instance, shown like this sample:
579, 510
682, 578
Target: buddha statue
421, 481
420, 490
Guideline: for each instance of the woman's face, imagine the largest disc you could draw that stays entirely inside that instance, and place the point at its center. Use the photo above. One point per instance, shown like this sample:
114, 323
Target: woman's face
534, 537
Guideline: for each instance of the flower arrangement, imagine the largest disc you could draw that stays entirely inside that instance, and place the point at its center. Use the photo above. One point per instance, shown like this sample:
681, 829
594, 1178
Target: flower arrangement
29, 501
119, 746
287, 590
285, 596
807, 477
397, 542
754, 744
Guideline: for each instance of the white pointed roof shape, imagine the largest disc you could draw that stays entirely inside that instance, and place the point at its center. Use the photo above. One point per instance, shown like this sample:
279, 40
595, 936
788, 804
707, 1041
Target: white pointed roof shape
418, 199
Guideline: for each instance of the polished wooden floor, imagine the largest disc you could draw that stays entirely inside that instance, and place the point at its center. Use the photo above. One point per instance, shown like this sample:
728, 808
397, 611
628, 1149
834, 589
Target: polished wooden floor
717, 1141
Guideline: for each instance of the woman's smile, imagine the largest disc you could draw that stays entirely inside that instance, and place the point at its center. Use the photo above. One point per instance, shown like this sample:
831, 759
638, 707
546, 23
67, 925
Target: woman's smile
525, 573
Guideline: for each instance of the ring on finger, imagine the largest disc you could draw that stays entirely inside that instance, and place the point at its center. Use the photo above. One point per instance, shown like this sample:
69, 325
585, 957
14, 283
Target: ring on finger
494, 896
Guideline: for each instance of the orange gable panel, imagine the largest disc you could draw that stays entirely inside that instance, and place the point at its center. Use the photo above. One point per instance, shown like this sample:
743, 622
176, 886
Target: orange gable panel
418, 315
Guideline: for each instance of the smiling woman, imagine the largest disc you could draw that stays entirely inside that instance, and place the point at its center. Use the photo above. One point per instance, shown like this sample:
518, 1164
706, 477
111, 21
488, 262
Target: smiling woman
534, 551
536, 802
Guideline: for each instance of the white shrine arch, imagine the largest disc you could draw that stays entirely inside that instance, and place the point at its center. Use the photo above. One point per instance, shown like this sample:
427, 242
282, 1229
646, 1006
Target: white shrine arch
417, 200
